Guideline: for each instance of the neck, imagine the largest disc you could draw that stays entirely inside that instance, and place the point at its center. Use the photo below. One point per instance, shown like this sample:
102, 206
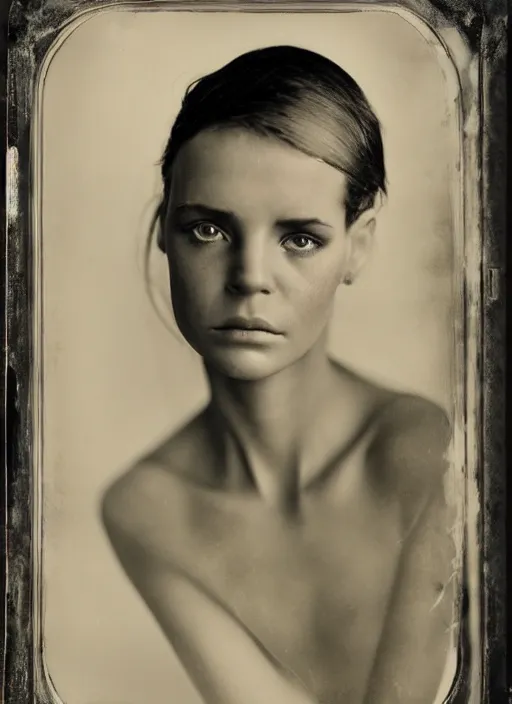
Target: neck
262, 428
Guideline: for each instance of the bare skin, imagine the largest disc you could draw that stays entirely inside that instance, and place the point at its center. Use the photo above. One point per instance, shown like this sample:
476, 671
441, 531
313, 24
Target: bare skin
293, 540
304, 601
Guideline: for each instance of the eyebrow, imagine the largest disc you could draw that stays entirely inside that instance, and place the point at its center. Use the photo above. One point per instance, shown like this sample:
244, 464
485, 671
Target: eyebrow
208, 211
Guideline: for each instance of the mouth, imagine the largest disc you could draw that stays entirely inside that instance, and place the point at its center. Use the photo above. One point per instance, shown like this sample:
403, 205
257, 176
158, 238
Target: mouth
247, 325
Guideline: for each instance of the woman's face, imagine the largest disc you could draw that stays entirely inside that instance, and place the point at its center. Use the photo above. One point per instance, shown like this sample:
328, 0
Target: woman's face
257, 245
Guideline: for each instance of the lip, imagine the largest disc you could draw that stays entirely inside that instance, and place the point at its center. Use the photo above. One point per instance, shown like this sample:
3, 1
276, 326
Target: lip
248, 325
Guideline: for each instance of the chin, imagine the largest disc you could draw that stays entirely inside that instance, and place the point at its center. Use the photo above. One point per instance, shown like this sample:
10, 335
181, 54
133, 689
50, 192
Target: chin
245, 365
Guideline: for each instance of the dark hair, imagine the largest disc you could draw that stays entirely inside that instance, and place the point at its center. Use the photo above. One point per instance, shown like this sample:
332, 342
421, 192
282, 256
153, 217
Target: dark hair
298, 97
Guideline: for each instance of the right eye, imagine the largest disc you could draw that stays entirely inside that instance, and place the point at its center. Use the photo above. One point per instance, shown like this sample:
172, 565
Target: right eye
206, 232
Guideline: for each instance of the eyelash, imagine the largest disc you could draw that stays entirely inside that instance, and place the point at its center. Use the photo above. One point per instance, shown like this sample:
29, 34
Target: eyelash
317, 244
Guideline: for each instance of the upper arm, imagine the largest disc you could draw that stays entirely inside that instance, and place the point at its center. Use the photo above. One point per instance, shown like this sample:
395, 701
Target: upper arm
192, 620
420, 623
418, 627
410, 454
416, 468
223, 659
131, 518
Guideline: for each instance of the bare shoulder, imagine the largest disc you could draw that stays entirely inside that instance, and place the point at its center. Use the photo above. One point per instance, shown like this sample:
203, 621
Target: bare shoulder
149, 499
409, 452
411, 424
126, 499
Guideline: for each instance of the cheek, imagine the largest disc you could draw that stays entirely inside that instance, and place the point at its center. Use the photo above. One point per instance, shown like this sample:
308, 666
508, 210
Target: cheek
188, 273
194, 284
316, 309
315, 286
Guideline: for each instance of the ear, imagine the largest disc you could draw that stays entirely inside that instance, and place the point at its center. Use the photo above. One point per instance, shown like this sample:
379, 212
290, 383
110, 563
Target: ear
160, 239
159, 223
360, 237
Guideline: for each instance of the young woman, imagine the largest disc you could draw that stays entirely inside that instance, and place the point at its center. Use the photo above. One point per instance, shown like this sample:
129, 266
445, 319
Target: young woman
293, 540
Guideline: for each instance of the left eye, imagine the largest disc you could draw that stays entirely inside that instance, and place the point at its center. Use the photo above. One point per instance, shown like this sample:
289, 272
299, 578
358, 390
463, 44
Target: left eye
301, 243
206, 232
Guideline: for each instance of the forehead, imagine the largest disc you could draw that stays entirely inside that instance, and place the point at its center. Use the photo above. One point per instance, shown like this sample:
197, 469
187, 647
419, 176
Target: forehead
241, 171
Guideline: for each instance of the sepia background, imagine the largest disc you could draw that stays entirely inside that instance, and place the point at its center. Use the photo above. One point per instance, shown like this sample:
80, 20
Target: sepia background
115, 379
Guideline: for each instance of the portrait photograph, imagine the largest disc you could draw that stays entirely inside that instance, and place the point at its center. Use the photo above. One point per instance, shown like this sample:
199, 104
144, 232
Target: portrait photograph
255, 428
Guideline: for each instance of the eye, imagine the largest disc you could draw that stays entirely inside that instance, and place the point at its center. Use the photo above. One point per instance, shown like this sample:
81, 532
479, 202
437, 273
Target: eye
301, 244
206, 232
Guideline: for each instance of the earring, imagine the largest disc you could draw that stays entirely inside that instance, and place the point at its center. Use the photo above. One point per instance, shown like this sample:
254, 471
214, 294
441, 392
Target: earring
348, 279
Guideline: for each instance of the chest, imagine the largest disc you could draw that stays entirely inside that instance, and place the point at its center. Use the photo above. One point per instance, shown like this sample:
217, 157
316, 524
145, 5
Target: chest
314, 594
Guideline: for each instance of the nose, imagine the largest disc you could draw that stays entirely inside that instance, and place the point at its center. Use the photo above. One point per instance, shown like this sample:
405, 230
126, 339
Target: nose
249, 272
